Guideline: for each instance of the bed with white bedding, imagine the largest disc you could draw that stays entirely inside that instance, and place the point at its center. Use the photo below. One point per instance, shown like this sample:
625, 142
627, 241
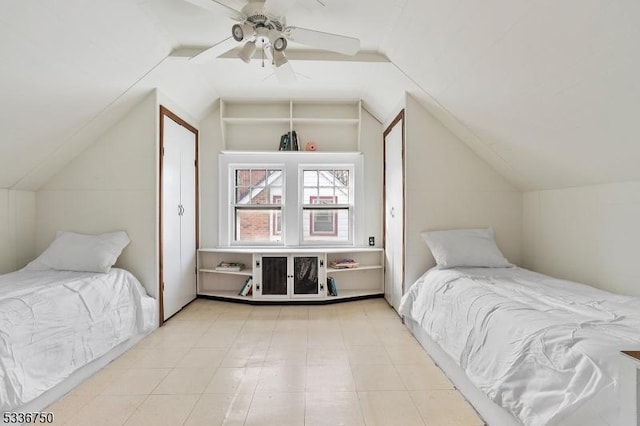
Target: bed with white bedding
54, 322
544, 349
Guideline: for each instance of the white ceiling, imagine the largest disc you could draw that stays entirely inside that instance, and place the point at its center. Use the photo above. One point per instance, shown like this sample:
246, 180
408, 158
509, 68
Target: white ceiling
545, 91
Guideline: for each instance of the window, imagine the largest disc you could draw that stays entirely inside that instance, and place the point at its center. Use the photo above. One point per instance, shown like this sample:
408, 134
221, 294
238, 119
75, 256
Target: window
327, 204
293, 198
257, 204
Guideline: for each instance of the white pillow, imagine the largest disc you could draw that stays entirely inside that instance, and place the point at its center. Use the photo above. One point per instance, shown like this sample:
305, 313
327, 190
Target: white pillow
465, 247
82, 252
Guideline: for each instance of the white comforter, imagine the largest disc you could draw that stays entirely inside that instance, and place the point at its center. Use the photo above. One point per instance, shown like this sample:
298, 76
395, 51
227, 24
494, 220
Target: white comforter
54, 322
542, 348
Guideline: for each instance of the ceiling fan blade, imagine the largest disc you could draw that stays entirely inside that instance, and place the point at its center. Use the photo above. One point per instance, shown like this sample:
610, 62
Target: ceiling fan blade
284, 73
278, 7
326, 41
214, 51
219, 7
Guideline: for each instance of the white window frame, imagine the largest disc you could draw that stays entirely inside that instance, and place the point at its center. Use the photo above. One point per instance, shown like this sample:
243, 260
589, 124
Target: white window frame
290, 163
304, 208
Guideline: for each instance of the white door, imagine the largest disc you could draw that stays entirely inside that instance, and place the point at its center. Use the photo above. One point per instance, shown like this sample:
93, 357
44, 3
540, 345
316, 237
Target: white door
394, 212
178, 217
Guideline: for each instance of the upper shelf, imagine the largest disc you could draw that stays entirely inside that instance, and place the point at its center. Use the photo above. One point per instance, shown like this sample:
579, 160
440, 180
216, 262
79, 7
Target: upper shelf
257, 125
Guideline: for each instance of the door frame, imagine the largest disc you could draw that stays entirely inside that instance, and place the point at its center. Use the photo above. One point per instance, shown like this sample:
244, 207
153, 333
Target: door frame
165, 112
400, 118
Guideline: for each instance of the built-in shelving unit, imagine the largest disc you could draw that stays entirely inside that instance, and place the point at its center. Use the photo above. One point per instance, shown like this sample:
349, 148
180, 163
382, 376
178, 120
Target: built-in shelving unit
256, 125
366, 280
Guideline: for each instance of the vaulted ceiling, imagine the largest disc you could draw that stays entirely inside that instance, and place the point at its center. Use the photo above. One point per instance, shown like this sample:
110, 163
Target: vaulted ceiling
545, 91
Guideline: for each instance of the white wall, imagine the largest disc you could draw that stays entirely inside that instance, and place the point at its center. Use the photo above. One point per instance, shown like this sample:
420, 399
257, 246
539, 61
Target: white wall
586, 234
111, 185
448, 186
17, 229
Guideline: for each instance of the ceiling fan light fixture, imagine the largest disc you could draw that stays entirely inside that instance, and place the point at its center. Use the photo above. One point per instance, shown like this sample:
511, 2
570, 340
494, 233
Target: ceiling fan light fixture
247, 51
280, 44
279, 58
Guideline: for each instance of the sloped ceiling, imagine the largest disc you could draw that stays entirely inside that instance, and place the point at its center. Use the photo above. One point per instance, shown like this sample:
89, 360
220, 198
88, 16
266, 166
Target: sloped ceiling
544, 91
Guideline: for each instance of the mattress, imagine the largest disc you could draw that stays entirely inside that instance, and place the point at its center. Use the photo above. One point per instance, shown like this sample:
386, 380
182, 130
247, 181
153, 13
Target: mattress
54, 322
547, 350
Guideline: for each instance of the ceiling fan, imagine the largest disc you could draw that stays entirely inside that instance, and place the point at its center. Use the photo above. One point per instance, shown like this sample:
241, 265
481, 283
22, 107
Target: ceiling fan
262, 23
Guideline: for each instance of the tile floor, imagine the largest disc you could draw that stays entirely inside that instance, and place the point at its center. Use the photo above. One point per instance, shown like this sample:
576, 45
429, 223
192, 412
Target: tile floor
218, 363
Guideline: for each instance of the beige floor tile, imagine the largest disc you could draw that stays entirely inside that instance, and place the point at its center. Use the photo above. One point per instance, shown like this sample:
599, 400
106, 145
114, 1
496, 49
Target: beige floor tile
287, 325
327, 355
389, 408
363, 337
333, 408
325, 378
253, 338
220, 409
107, 410
137, 382
286, 355
445, 408
154, 358
289, 338
408, 354
282, 379
185, 381
163, 410
234, 380
368, 355
424, 376
218, 338
67, 407
324, 338
276, 408
376, 377
206, 358
249, 356
97, 383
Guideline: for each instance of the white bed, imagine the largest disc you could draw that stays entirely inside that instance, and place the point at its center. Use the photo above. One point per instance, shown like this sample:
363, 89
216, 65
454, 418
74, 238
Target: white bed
56, 324
546, 350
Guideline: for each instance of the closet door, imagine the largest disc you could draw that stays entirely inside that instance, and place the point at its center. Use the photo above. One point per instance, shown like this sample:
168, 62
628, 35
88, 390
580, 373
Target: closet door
394, 210
179, 214
188, 244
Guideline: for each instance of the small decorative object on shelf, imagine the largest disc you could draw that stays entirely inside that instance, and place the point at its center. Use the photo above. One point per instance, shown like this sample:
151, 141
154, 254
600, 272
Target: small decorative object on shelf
331, 286
311, 146
289, 142
344, 263
230, 266
247, 287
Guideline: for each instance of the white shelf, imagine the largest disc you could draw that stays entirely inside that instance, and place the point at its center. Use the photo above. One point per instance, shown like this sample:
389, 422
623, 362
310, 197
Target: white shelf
226, 294
289, 249
249, 120
359, 268
245, 272
326, 120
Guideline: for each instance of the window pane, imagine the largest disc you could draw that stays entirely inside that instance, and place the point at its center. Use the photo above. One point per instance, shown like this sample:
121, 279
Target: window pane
242, 177
310, 178
326, 224
242, 195
258, 177
258, 225
310, 194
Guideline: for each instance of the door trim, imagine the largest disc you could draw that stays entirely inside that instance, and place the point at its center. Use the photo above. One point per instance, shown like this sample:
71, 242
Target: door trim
398, 119
165, 112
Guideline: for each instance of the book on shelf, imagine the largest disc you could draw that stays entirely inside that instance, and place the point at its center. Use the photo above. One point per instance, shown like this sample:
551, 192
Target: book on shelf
230, 266
343, 263
247, 287
331, 286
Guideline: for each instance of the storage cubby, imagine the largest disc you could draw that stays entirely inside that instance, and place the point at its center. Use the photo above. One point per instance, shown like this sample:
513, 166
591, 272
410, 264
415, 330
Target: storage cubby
366, 280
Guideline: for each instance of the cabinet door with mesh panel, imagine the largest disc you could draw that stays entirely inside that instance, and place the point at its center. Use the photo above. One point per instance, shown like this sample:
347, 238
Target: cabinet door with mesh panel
274, 275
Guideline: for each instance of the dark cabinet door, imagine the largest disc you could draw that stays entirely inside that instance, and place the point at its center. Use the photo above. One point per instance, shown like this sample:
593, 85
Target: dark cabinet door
274, 275
305, 275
